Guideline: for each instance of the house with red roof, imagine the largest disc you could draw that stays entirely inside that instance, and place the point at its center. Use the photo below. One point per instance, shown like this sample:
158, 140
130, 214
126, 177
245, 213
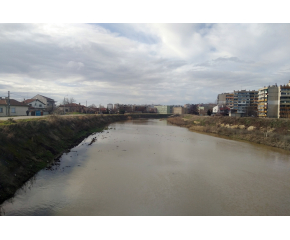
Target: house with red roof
49, 102
16, 108
72, 107
35, 107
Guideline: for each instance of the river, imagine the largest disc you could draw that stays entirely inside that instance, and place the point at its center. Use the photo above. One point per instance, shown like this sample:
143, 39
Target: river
149, 167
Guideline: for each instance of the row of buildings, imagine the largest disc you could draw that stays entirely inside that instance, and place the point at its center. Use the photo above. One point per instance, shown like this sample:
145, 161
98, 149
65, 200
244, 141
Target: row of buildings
36, 106
272, 102
42, 105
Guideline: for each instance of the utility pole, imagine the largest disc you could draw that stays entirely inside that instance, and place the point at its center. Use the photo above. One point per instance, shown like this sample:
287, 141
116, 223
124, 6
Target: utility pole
63, 105
86, 107
8, 103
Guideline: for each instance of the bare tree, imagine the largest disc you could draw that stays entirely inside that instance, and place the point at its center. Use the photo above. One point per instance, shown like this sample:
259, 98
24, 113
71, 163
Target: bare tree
92, 106
68, 102
193, 109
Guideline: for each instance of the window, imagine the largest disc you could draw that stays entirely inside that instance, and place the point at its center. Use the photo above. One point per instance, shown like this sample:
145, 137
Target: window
13, 110
40, 105
1, 110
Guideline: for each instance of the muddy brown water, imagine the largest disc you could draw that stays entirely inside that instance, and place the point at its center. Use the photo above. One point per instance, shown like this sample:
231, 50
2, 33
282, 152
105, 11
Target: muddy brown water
149, 167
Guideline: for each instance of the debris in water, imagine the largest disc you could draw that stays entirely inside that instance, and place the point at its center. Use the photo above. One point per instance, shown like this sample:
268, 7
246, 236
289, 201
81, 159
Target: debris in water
93, 140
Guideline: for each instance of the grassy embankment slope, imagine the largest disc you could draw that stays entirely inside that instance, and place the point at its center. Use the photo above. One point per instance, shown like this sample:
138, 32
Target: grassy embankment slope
271, 132
27, 146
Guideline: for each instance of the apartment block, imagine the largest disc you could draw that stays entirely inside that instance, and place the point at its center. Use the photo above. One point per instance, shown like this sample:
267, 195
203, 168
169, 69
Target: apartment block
268, 102
226, 99
221, 99
284, 101
179, 110
164, 109
274, 101
230, 100
110, 106
245, 101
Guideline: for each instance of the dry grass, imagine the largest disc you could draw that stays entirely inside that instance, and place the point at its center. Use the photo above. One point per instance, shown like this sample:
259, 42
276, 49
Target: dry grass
271, 132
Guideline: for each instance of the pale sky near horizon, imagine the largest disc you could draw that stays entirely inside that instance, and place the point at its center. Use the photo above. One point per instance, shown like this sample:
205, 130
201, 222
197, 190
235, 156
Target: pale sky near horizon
141, 63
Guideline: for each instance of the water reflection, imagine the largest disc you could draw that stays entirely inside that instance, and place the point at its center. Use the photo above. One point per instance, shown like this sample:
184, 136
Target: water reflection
147, 167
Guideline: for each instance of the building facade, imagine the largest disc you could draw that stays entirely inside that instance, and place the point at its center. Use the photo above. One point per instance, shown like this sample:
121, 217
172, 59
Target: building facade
268, 102
110, 106
179, 110
230, 100
246, 102
35, 103
225, 99
49, 102
164, 109
284, 101
16, 108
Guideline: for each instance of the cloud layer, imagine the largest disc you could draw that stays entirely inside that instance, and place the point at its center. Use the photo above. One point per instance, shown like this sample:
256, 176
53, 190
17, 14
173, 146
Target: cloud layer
141, 63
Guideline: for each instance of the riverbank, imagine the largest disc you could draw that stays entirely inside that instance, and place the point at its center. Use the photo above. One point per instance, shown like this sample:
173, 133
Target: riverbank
30, 145
270, 132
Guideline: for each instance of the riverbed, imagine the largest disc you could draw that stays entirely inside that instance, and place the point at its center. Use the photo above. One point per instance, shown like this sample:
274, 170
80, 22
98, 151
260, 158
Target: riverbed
149, 167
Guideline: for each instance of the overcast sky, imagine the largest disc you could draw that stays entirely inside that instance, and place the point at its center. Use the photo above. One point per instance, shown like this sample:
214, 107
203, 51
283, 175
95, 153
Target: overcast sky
141, 63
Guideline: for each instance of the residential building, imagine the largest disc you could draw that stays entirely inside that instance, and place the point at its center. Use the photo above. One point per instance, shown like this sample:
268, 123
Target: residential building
35, 107
263, 101
230, 100
221, 99
35, 103
16, 108
215, 109
151, 109
178, 110
139, 109
225, 99
116, 106
268, 102
245, 102
163, 109
126, 108
284, 101
221, 110
49, 102
110, 106
72, 107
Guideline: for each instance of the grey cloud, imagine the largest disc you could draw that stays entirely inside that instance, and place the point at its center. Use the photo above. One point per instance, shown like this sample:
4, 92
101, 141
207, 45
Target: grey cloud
98, 65
221, 60
230, 59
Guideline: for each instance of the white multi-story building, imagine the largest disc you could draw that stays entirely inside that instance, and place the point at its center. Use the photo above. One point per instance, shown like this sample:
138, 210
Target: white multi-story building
110, 106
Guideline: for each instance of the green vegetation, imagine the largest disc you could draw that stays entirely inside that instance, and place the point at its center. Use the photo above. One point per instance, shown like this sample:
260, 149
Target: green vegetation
74, 113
